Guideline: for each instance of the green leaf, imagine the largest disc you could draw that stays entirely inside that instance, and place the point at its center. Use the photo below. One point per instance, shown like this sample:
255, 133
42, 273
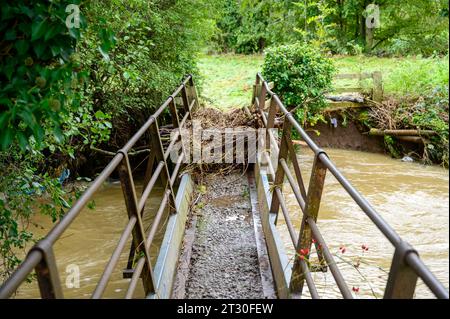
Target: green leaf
104, 54
51, 32
6, 138
21, 46
74, 33
38, 29
10, 35
100, 115
23, 141
39, 49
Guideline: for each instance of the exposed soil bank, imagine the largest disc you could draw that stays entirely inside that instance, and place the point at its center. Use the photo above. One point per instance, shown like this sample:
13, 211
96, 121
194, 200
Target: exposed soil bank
347, 137
349, 134
224, 260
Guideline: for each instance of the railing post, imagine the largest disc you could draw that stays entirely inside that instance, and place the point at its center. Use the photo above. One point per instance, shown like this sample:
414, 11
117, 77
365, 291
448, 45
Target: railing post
402, 279
186, 102
159, 156
255, 93
174, 113
279, 175
262, 97
377, 95
129, 193
271, 120
194, 92
312, 206
47, 272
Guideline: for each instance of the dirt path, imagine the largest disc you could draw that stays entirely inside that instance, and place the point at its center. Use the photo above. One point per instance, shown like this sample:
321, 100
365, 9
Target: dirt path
224, 260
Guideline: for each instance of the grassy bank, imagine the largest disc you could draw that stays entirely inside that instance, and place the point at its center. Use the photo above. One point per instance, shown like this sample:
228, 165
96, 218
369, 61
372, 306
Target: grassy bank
228, 79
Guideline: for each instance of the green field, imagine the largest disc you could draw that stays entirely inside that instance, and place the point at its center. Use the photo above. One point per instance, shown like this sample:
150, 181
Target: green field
228, 79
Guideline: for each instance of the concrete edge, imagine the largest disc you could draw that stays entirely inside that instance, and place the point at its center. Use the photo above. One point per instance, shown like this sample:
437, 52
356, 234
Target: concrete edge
267, 280
167, 261
279, 261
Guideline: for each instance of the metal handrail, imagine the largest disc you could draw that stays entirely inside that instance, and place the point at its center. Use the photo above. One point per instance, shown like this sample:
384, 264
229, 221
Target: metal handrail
40, 257
406, 265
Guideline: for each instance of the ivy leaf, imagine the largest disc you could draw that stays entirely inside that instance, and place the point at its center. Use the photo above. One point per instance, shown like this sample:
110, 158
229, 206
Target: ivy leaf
74, 33
10, 35
38, 29
51, 32
21, 46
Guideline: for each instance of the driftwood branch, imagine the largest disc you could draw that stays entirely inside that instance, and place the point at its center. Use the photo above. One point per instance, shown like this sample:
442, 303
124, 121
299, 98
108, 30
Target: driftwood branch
109, 153
378, 132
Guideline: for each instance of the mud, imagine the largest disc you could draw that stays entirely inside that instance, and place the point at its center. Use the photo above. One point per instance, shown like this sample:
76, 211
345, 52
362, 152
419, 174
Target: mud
347, 135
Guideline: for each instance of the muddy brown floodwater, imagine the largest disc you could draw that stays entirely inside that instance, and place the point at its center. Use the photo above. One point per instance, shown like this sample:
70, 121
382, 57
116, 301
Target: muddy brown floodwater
90, 240
412, 198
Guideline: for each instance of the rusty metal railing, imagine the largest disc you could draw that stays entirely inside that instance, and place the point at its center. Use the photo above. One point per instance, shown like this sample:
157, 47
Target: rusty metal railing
406, 265
41, 257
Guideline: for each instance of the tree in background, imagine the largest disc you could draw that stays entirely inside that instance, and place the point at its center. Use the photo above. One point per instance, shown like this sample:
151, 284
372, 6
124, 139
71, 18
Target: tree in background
339, 26
64, 90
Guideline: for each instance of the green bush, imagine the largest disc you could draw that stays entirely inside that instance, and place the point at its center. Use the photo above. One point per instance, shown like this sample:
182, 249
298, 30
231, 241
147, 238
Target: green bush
301, 76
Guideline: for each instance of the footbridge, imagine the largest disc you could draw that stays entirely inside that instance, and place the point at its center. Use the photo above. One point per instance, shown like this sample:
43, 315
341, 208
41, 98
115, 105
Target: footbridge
196, 258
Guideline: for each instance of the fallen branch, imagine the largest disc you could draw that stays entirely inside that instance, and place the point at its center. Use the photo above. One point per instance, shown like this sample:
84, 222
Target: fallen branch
108, 153
378, 132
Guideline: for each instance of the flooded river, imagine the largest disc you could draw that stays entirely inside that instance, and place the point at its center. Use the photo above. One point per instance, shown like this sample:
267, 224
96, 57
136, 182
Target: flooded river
90, 241
412, 198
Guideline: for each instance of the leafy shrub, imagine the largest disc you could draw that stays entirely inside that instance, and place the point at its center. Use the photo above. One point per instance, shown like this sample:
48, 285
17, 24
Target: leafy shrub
301, 76
36, 70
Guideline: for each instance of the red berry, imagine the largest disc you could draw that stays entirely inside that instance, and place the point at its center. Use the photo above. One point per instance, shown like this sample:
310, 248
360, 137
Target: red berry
355, 289
304, 252
314, 241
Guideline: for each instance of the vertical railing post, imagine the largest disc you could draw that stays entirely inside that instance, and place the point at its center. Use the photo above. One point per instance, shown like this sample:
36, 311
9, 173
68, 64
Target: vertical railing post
129, 193
279, 175
47, 272
262, 97
312, 206
402, 279
194, 93
377, 94
159, 156
174, 113
271, 120
255, 93
186, 102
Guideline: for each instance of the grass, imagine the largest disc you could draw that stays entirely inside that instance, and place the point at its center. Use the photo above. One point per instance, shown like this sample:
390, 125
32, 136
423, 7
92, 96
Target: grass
228, 79
401, 76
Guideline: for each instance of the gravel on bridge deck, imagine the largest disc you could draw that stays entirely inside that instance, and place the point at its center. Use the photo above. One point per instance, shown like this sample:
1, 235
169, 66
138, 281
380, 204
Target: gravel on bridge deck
224, 257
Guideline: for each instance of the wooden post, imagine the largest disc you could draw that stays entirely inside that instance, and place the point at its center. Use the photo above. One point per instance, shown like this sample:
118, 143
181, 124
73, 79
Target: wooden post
312, 206
194, 94
279, 175
377, 87
47, 273
159, 156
